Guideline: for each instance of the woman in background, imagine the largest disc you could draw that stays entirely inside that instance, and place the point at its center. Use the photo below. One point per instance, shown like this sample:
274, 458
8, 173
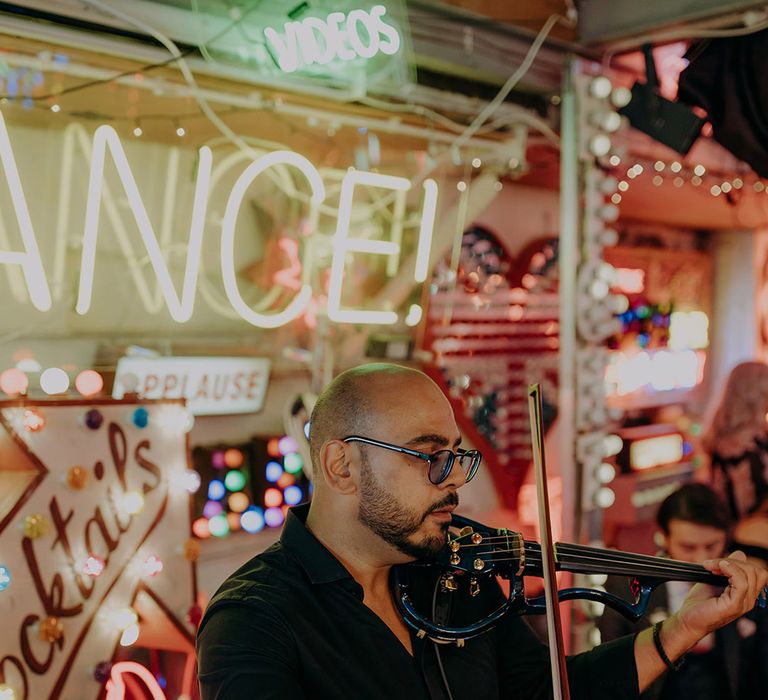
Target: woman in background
737, 440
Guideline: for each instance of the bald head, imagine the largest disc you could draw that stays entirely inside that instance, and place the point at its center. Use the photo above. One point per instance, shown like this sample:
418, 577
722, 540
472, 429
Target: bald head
347, 405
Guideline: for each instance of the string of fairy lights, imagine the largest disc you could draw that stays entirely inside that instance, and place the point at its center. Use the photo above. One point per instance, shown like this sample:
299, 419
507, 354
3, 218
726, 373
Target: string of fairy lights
679, 174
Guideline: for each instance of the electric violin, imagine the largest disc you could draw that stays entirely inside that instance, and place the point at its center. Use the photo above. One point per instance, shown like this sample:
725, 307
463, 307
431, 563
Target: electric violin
476, 554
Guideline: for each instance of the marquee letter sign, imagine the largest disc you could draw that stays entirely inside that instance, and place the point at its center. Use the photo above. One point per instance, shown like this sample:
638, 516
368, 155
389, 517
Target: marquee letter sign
93, 521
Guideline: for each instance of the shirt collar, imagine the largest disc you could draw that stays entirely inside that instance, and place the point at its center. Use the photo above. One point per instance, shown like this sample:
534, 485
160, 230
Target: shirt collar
321, 566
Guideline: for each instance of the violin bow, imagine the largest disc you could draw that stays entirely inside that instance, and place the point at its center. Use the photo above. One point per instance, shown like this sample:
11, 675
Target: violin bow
560, 687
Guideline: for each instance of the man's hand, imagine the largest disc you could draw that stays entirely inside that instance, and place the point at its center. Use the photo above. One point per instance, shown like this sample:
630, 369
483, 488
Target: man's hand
702, 613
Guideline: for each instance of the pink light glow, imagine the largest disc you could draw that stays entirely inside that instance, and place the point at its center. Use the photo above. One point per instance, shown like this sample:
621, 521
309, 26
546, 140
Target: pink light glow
630, 281
89, 382
13, 381
116, 689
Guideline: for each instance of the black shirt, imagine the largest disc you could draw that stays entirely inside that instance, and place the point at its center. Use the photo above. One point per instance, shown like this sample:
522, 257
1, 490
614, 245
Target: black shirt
291, 624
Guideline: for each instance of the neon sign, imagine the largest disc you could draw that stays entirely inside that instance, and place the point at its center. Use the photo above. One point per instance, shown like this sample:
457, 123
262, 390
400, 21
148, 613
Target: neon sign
181, 306
315, 41
116, 689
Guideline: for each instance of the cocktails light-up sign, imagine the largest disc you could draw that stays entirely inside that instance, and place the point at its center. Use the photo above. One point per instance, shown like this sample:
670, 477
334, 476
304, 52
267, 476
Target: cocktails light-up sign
181, 306
359, 34
94, 517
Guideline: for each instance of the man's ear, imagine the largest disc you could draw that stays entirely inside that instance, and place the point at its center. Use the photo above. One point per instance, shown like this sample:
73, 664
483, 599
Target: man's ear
336, 468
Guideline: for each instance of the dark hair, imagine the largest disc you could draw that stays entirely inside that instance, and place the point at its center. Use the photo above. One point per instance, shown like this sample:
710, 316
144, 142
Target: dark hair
695, 503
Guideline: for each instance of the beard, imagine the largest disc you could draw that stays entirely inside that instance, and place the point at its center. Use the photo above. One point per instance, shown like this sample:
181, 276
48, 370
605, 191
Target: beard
395, 523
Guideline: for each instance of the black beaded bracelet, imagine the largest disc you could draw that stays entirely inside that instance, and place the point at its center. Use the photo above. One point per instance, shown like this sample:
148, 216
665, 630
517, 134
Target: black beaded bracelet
672, 665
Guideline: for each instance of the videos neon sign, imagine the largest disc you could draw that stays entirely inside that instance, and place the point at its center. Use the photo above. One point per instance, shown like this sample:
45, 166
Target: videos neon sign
181, 306
345, 37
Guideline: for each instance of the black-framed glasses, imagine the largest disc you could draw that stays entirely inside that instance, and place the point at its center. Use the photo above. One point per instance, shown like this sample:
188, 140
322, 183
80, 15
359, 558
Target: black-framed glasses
440, 462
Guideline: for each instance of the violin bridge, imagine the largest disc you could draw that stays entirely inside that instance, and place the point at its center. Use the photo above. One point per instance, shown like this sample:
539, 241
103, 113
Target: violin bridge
520, 543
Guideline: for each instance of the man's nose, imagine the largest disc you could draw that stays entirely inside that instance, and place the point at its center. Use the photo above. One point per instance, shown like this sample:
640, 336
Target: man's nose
456, 478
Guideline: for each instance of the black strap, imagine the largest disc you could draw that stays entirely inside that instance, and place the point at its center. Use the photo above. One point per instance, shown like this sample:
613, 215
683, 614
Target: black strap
672, 665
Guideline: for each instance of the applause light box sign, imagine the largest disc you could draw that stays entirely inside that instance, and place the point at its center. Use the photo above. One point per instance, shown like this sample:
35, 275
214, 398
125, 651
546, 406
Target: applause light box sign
210, 385
97, 581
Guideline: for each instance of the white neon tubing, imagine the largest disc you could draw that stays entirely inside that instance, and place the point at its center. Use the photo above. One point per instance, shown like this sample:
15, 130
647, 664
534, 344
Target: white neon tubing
30, 261
116, 689
116, 222
300, 302
180, 309
392, 46
62, 216
288, 50
397, 231
343, 244
426, 229
14, 274
171, 182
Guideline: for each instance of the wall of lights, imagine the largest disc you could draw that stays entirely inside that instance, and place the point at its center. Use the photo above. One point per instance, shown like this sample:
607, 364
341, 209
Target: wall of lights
248, 487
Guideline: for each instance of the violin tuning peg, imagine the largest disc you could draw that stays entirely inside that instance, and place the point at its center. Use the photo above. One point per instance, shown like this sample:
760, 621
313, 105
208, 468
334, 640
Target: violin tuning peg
454, 546
479, 564
474, 587
448, 583
465, 531
477, 538
455, 559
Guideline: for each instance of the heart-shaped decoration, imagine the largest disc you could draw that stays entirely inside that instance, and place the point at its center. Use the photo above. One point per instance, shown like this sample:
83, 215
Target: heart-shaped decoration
493, 329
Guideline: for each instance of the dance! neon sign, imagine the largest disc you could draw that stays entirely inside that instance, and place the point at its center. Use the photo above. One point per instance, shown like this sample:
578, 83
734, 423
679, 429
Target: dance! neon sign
181, 306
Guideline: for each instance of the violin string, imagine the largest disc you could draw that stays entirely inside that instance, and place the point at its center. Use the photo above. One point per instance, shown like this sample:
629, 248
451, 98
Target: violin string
669, 566
599, 554
639, 565
597, 565
640, 571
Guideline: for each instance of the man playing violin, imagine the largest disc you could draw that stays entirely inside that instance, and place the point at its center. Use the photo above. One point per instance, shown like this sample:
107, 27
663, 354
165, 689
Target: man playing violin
314, 615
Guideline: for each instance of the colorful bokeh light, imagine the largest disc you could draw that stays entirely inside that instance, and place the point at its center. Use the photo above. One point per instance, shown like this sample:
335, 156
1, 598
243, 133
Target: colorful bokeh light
234, 480
200, 528
234, 458
273, 498
13, 381
212, 508
238, 502
140, 417
293, 495
293, 462
252, 520
286, 480
219, 525
273, 447
287, 444
5, 577
216, 490
274, 471
89, 382
234, 521
217, 459
274, 517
